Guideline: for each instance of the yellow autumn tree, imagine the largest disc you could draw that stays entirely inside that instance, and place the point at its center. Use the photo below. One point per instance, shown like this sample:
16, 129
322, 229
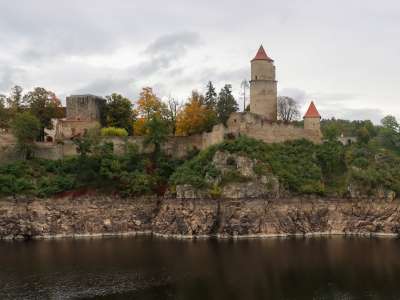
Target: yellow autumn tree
139, 126
195, 117
148, 107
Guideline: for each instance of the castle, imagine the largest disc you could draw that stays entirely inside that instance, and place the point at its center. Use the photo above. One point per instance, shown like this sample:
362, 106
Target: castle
83, 112
261, 122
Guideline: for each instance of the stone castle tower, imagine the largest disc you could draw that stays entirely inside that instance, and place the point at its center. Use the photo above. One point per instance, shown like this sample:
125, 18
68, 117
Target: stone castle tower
263, 91
312, 119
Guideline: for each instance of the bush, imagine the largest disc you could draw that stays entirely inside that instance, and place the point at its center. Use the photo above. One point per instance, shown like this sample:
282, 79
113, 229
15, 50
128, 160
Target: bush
113, 131
294, 163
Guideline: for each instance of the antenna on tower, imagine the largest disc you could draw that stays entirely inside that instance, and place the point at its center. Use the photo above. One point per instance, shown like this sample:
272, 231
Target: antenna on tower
244, 85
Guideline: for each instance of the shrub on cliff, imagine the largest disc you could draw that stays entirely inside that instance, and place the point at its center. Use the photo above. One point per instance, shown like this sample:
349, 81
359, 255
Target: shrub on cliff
294, 163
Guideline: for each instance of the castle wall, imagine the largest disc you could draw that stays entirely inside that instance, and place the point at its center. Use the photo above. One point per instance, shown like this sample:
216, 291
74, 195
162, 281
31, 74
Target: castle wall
216, 136
66, 129
7, 147
261, 128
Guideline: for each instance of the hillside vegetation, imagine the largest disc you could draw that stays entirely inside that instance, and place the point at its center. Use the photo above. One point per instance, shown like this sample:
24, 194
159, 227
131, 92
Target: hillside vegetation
301, 167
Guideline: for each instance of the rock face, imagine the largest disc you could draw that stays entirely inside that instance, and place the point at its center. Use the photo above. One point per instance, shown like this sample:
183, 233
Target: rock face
100, 215
237, 180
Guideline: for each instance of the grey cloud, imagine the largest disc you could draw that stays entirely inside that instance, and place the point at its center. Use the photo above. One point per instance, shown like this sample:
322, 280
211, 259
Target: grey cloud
42, 36
336, 97
106, 86
173, 44
160, 55
297, 94
9, 76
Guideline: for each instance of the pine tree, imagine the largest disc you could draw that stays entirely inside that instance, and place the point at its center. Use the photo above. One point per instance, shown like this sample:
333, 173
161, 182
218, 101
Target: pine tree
226, 104
211, 96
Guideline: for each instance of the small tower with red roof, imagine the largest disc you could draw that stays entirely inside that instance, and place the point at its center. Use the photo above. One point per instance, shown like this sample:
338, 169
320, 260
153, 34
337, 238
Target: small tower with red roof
263, 86
312, 119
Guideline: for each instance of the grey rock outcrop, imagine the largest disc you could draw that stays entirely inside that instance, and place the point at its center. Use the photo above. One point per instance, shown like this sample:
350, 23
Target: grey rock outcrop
243, 181
101, 215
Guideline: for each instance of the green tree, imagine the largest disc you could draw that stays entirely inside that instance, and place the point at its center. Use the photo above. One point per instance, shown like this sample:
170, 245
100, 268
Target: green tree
44, 105
390, 122
88, 143
331, 131
4, 113
25, 128
363, 135
156, 133
389, 134
14, 101
119, 112
211, 96
226, 104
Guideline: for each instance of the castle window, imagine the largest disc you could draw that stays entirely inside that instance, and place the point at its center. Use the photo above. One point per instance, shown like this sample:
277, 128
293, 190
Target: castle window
256, 77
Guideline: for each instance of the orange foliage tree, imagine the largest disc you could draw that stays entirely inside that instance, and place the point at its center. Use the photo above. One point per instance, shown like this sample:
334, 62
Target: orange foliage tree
148, 107
195, 117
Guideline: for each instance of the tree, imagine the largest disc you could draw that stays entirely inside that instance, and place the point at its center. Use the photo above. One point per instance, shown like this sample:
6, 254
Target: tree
156, 133
287, 109
149, 106
15, 100
44, 105
331, 131
389, 134
172, 113
25, 128
119, 112
390, 122
4, 113
363, 135
195, 117
90, 142
211, 96
226, 104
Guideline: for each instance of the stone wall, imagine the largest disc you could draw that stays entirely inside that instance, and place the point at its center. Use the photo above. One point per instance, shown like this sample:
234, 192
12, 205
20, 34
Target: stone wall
7, 147
252, 125
66, 129
76, 215
260, 128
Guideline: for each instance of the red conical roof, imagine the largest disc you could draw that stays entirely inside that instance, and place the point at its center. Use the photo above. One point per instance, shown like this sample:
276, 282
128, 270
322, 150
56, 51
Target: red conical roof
312, 111
262, 55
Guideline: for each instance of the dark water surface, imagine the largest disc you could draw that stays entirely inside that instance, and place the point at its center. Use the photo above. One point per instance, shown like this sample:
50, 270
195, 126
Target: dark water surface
151, 268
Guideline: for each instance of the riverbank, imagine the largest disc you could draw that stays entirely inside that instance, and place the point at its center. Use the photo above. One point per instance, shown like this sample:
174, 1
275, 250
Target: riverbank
96, 216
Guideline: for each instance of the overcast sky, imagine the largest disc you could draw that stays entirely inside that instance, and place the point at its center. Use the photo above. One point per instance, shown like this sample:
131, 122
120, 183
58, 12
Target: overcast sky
343, 54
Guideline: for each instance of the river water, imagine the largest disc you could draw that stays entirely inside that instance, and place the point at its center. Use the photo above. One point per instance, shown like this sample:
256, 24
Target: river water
153, 268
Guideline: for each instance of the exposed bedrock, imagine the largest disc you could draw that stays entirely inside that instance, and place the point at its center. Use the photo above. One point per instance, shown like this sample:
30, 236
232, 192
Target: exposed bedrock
102, 215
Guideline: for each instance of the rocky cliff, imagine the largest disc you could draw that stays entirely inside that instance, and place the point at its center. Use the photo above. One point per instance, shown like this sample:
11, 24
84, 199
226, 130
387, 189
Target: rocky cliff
101, 215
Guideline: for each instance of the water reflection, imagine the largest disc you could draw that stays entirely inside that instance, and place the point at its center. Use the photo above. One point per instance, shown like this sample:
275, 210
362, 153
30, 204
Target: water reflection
147, 268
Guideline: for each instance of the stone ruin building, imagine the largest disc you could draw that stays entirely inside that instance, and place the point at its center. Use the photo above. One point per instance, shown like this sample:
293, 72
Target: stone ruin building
82, 113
